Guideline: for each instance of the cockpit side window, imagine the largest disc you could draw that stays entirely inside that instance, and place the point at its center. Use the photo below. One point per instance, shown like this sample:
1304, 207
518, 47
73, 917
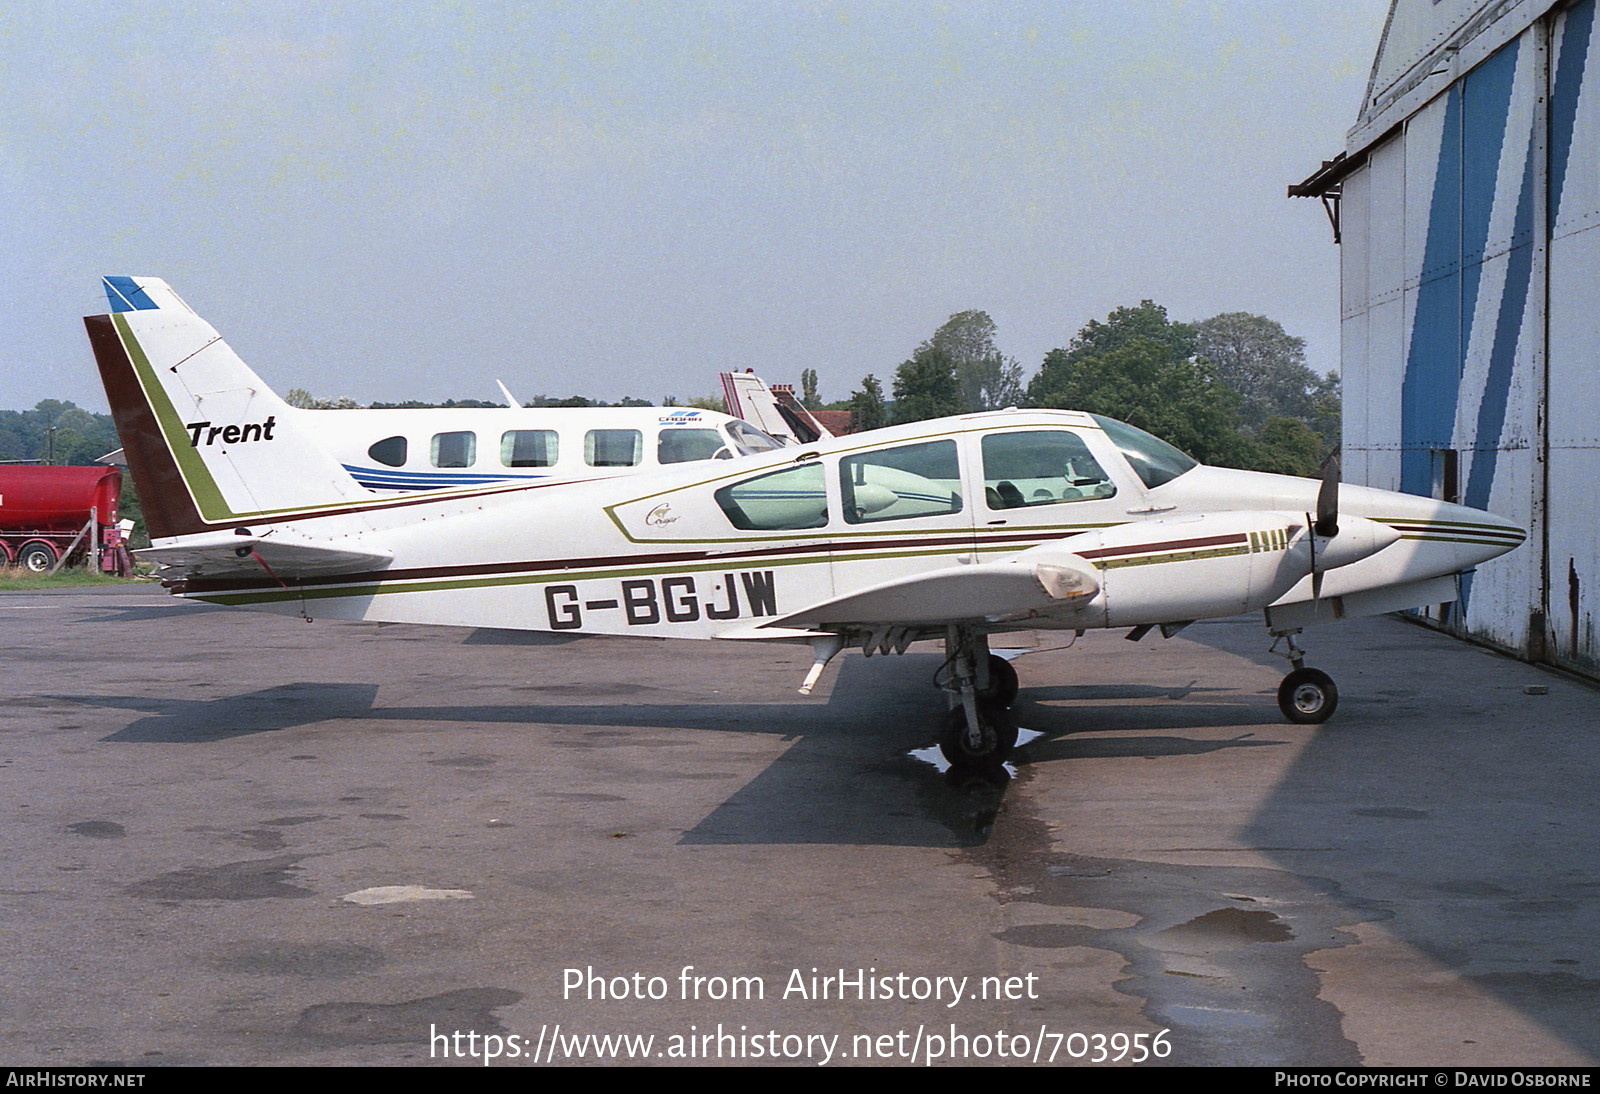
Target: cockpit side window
793, 498
391, 451
748, 439
1152, 459
1040, 468
679, 445
914, 480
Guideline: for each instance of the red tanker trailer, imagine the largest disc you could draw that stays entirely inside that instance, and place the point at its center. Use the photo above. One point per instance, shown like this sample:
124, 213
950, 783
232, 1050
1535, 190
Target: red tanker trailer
48, 513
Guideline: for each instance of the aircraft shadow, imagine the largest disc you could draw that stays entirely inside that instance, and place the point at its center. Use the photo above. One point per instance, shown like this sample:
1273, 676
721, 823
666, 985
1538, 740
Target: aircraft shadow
139, 613
849, 777
196, 721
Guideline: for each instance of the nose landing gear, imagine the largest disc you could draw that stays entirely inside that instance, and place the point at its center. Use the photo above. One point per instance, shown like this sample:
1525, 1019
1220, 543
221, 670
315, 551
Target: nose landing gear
1306, 696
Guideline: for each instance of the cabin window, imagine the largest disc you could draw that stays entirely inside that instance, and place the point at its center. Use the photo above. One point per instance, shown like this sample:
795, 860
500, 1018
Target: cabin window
795, 497
391, 451
529, 448
1040, 468
455, 449
914, 480
678, 445
613, 448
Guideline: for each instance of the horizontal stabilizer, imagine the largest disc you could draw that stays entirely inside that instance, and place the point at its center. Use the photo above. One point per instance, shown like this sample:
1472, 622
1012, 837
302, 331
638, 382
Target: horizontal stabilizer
273, 554
989, 591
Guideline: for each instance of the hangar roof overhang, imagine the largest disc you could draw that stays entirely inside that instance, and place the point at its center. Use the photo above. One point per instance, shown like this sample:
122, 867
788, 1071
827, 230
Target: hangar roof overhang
1426, 46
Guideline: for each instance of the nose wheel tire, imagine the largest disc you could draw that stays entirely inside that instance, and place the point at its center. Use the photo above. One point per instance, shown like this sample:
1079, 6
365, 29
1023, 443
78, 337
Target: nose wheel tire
1308, 696
997, 736
1003, 683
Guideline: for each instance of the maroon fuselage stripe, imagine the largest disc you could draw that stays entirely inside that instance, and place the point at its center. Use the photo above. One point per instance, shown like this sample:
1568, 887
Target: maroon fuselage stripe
537, 566
1170, 545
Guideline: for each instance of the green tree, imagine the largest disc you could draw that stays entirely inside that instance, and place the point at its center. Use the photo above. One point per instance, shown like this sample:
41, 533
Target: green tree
808, 389
1264, 363
1148, 321
986, 378
866, 406
1139, 367
56, 431
1287, 446
926, 386
1327, 411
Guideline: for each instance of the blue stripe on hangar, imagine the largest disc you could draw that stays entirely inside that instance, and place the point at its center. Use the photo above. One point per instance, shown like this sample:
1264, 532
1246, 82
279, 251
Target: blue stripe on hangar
1567, 82
1476, 116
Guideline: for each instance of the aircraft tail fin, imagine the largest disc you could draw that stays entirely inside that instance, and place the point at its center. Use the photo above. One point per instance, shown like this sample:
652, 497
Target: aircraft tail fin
141, 294
774, 410
209, 445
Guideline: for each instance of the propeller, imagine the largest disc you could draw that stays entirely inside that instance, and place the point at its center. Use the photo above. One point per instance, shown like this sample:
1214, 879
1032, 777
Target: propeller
1327, 523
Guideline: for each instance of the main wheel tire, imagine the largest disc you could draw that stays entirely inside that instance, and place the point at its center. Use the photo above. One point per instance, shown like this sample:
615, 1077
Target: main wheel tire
1003, 683
1308, 696
36, 557
999, 733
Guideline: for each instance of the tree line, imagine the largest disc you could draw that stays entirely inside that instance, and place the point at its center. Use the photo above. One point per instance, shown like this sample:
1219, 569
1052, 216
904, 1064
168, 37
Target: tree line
1232, 390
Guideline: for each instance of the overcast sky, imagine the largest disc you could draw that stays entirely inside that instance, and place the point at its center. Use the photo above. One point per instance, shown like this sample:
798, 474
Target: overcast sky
411, 200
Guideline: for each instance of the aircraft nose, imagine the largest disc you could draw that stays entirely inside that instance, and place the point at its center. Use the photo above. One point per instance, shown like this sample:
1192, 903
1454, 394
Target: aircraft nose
1484, 534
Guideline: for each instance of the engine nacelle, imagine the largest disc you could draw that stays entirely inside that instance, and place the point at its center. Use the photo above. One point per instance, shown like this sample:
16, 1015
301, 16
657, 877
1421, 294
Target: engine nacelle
1202, 566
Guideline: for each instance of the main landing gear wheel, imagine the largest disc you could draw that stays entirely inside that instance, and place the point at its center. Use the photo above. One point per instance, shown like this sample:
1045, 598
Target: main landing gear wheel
1003, 683
996, 731
1308, 696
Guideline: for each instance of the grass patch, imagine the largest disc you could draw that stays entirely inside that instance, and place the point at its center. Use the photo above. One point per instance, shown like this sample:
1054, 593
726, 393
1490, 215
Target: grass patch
67, 578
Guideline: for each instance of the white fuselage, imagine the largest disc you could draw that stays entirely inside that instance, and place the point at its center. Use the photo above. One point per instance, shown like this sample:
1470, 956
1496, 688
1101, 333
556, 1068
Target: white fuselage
664, 554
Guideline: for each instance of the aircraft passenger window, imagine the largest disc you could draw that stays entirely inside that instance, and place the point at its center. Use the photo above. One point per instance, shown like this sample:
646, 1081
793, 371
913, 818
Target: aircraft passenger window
1040, 468
795, 497
679, 445
613, 448
529, 448
391, 451
455, 449
914, 480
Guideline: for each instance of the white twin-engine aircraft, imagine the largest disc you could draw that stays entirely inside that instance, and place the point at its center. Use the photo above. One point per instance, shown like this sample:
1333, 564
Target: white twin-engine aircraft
950, 530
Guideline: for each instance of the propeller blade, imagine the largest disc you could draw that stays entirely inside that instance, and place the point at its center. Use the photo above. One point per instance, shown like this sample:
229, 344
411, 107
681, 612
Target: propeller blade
1327, 524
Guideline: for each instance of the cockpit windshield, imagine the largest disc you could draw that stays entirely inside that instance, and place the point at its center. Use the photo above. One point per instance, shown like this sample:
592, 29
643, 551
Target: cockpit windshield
749, 440
1152, 459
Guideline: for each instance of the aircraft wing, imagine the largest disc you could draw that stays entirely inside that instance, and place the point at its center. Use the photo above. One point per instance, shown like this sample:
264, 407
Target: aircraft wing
1014, 589
225, 554
1164, 570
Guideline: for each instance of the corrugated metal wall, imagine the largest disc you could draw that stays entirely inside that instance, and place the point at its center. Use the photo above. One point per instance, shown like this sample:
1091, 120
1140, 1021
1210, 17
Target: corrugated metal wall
1471, 312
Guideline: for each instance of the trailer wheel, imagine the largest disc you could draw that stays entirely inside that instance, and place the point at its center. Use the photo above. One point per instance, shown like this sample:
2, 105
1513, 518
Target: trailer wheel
36, 557
5, 553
